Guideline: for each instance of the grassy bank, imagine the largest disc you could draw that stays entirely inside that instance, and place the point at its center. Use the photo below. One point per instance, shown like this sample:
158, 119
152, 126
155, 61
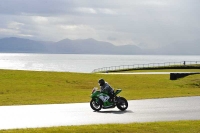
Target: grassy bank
153, 127
28, 87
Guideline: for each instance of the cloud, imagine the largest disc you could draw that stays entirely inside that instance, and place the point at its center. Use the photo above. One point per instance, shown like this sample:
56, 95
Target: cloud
111, 38
75, 31
7, 31
148, 23
107, 11
40, 19
95, 11
86, 10
15, 25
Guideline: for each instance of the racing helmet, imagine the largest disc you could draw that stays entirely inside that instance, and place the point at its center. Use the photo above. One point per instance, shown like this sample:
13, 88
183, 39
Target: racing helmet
101, 82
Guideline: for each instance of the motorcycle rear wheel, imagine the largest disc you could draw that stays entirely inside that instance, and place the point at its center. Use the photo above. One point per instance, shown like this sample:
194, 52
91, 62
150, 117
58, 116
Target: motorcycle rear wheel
95, 105
122, 104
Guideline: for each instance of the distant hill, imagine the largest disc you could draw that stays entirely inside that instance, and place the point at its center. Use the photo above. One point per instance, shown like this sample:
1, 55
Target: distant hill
66, 46
181, 48
91, 46
19, 45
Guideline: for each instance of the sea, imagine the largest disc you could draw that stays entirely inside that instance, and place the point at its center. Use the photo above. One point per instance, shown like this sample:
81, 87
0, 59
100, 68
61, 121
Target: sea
81, 63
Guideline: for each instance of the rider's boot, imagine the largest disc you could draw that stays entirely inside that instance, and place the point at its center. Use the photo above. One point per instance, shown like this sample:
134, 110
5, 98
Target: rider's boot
110, 100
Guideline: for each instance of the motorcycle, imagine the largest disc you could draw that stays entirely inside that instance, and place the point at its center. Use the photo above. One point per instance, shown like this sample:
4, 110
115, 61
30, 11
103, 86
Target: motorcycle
102, 100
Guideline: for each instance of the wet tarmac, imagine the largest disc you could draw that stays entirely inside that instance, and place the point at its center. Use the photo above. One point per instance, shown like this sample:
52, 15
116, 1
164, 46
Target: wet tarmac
148, 110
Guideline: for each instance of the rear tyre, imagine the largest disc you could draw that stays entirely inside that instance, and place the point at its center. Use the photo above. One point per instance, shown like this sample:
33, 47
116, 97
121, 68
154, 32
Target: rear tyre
122, 104
95, 105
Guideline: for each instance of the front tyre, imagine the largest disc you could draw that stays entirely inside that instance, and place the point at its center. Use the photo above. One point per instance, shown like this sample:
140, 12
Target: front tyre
122, 104
95, 105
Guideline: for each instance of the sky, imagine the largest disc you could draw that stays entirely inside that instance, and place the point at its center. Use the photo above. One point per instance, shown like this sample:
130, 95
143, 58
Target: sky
145, 23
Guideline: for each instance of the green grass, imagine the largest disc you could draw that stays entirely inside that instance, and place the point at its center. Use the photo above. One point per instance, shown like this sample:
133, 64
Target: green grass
33, 87
152, 127
28, 87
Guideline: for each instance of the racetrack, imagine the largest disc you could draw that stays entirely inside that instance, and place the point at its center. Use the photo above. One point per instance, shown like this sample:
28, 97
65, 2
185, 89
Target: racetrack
149, 110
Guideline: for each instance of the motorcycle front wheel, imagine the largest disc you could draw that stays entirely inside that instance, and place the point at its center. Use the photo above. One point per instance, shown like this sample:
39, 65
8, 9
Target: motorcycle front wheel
95, 105
122, 104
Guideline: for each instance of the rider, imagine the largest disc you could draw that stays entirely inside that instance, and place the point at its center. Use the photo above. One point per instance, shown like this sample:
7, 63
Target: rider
106, 88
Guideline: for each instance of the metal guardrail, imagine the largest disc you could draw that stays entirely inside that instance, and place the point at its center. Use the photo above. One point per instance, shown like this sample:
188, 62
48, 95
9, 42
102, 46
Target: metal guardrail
146, 66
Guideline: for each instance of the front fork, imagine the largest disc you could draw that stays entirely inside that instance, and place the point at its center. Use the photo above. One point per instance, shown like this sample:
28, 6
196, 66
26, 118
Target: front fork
97, 102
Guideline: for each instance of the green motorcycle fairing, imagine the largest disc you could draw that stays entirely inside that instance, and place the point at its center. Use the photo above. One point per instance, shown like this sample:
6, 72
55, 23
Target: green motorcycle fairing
96, 94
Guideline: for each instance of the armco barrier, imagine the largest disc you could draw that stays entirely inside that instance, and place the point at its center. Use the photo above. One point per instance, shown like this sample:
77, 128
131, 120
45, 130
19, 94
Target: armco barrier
167, 65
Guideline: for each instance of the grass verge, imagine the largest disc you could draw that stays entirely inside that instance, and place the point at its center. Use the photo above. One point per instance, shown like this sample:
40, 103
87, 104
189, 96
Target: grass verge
152, 127
34, 87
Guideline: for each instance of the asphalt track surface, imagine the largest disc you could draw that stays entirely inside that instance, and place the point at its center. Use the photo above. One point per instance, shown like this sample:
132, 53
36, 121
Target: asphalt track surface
149, 110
